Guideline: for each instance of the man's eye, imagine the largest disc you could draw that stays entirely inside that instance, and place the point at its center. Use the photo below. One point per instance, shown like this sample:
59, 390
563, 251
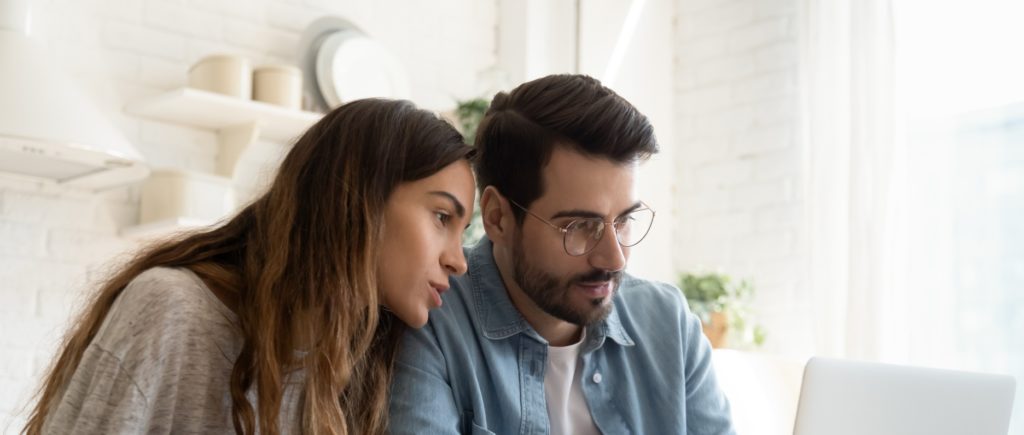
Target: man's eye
574, 226
584, 225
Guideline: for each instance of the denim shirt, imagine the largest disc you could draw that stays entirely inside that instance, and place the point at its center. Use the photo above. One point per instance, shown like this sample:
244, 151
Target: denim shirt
477, 367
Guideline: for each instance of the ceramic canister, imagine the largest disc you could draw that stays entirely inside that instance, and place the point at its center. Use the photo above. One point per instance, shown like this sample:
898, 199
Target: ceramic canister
224, 74
278, 84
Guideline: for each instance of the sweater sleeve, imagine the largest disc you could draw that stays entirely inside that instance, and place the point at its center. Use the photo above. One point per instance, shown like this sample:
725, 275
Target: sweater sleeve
100, 398
160, 363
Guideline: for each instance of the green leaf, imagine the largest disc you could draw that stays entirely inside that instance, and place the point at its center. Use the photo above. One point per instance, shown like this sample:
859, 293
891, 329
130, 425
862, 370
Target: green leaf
469, 114
712, 292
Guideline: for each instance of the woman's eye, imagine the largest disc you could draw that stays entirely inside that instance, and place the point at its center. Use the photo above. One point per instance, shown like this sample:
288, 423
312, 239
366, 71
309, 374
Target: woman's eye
442, 217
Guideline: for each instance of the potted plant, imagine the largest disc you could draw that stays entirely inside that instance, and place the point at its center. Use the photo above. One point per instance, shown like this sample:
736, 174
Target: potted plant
468, 114
722, 306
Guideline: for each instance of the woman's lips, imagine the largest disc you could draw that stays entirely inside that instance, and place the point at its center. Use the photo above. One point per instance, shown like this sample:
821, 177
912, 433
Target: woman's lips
436, 291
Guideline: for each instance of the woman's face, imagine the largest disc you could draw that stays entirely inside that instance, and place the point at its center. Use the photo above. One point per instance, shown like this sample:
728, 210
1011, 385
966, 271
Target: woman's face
422, 241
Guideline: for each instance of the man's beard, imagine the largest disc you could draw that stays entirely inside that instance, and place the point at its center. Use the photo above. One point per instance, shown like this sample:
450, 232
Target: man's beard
554, 296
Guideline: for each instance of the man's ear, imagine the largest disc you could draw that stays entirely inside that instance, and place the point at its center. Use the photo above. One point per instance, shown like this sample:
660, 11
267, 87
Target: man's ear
497, 217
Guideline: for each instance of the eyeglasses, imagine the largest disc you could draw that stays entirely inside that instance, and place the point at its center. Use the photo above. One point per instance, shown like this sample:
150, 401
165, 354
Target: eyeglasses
582, 235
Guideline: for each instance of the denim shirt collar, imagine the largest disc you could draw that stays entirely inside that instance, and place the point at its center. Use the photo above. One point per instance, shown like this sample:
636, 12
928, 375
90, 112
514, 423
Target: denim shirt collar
499, 317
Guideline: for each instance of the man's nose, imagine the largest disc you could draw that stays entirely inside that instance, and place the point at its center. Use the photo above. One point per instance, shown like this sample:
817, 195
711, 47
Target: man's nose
608, 254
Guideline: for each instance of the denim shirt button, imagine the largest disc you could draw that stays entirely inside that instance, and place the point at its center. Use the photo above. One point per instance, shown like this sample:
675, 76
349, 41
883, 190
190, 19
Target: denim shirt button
597, 378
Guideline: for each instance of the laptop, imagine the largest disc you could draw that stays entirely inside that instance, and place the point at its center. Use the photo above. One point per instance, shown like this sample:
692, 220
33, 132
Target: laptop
840, 397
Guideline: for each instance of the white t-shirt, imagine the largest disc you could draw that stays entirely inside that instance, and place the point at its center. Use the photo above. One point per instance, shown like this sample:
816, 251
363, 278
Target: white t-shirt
567, 408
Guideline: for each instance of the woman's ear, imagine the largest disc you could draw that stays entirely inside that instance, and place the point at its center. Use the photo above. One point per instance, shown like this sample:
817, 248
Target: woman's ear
496, 216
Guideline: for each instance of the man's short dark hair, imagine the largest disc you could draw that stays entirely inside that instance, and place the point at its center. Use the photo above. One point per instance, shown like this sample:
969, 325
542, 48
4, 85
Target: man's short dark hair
521, 129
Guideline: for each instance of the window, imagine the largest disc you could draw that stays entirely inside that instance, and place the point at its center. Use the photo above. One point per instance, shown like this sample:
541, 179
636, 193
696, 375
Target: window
961, 90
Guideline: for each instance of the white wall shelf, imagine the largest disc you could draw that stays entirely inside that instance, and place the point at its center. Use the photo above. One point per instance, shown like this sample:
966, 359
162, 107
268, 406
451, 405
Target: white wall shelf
238, 124
210, 111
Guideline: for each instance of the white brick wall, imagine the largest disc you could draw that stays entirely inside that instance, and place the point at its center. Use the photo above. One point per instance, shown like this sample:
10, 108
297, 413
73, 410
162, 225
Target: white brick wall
738, 169
55, 244
737, 201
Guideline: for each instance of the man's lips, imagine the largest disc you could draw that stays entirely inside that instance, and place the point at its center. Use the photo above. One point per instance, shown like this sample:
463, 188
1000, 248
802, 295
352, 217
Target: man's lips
601, 289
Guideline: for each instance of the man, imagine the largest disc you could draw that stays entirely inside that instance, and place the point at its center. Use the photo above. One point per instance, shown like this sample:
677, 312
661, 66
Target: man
546, 333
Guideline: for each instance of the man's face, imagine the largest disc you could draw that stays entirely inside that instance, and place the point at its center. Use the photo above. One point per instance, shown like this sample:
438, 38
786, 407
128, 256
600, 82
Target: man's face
576, 289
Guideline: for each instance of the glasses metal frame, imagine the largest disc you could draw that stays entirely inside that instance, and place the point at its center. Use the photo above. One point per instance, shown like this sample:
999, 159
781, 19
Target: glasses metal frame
604, 225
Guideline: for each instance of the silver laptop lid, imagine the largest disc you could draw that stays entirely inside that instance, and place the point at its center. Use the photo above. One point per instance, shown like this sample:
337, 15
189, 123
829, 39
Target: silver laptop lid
840, 397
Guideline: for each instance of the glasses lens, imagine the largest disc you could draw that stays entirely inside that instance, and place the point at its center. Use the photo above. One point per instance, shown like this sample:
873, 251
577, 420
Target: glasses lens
632, 228
582, 235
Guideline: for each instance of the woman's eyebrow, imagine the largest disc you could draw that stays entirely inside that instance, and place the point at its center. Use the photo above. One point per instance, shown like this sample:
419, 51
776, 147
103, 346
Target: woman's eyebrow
460, 209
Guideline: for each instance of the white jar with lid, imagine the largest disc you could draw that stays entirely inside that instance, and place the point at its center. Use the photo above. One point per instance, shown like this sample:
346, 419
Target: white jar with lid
278, 84
174, 193
224, 74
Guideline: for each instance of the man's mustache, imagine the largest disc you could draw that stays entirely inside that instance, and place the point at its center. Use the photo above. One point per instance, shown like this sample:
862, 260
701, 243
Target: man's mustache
596, 275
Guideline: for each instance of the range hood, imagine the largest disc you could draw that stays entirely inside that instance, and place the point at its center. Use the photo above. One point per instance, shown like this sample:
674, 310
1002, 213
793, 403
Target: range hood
48, 129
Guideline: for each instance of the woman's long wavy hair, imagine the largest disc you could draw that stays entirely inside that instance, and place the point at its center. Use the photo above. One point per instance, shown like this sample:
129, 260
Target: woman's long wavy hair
309, 246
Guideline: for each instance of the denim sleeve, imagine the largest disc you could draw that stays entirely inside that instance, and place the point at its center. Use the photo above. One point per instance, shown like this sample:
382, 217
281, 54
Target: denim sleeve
421, 397
707, 408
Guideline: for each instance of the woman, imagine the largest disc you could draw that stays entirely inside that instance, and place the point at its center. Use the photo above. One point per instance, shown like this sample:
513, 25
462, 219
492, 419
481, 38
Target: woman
286, 318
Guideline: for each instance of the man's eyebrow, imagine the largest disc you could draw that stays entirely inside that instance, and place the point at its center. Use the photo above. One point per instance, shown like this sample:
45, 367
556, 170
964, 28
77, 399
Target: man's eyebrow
576, 213
460, 209
587, 214
636, 206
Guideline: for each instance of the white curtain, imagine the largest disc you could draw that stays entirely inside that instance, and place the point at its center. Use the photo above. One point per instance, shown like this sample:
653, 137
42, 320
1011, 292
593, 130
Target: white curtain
853, 162
914, 182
